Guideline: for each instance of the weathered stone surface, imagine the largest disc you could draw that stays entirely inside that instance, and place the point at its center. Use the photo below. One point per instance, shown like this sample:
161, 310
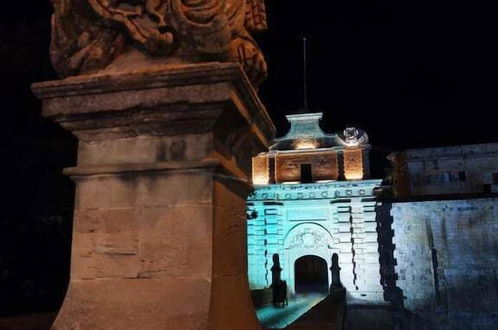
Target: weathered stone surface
447, 261
144, 149
136, 304
91, 36
178, 235
312, 219
466, 169
328, 156
106, 243
162, 177
230, 281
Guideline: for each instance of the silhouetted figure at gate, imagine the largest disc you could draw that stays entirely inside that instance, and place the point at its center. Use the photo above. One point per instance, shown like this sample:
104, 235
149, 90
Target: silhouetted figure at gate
336, 273
337, 292
279, 287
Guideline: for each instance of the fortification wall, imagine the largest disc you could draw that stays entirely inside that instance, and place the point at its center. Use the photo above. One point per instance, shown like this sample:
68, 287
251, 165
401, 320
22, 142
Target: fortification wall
446, 259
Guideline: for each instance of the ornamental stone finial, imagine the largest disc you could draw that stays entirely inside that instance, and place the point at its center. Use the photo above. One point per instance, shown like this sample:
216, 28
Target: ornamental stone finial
91, 36
355, 136
276, 269
335, 272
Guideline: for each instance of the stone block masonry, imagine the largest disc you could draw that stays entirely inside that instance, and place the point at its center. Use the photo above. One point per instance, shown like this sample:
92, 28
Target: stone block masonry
320, 219
163, 172
447, 260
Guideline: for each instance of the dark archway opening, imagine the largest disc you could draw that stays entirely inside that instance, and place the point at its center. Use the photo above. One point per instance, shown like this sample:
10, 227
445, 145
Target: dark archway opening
311, 275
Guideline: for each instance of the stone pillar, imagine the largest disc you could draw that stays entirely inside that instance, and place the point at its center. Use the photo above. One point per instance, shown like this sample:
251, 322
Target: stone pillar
159, 238
335, 272
276, 270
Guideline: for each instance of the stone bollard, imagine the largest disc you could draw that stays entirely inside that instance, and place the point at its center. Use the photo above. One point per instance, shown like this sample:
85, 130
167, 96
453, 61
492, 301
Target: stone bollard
337, 292
335, 272
159, 238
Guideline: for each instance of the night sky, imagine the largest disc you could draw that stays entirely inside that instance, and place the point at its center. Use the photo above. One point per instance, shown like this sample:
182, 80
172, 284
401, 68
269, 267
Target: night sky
412, 74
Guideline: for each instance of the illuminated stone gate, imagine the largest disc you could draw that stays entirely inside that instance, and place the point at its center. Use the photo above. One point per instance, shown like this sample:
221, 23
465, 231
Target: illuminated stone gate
313, 197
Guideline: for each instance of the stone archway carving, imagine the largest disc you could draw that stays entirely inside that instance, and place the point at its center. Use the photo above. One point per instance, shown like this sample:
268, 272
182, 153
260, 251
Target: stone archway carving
306, 239
308, 236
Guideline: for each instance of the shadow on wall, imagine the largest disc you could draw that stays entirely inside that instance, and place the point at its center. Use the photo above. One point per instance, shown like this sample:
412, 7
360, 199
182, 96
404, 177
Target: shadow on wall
444, 252
392, 293
401, 317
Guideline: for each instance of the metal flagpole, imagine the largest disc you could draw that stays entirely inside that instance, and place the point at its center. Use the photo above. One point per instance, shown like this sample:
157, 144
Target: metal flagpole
305, 75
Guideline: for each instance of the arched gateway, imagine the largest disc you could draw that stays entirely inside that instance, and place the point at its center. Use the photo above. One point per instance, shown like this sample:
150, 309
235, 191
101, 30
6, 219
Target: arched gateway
313, 198
311, 275
303, 242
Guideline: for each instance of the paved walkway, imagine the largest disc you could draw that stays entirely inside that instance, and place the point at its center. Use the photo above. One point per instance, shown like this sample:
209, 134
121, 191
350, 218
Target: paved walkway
328, 314
279, 317
365, 317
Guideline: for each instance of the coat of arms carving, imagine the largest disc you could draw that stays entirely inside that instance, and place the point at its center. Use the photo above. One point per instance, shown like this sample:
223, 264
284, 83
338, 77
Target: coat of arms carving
90, 35
310, 239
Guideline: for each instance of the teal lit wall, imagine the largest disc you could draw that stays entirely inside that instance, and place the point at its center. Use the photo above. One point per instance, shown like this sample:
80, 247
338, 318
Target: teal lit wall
294, 220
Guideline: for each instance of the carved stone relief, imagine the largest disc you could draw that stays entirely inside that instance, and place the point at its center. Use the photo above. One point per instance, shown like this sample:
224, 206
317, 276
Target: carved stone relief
324, 166
355, 136
89, 35
309, 237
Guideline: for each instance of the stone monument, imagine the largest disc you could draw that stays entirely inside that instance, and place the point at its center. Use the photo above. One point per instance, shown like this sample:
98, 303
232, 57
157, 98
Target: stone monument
161, 95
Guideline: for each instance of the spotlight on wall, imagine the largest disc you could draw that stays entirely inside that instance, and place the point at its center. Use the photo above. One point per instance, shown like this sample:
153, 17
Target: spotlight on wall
305, 144
354, 175
260, 179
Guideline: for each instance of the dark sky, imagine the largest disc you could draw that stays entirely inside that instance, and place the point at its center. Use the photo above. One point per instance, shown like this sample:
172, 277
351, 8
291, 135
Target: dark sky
413, 74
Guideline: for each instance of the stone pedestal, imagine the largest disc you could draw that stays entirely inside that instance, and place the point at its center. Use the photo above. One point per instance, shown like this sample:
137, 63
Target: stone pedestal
159, 239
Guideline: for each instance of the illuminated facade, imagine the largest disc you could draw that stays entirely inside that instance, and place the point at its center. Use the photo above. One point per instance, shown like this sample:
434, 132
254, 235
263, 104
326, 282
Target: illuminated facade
313, 197
452, 170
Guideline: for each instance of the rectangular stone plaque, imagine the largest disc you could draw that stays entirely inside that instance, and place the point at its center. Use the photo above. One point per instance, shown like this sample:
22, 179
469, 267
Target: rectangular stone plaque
307, 214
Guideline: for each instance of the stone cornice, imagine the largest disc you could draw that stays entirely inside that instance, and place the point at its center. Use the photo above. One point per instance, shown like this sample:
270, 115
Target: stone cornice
173, 96
329, 190
157, 76
92, 170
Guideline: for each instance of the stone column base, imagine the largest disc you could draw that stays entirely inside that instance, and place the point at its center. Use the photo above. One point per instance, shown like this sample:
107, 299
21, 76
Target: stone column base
159, 238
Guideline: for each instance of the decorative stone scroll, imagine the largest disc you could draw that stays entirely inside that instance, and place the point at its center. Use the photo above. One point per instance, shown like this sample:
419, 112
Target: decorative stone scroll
309, 236
90, 36
355, 136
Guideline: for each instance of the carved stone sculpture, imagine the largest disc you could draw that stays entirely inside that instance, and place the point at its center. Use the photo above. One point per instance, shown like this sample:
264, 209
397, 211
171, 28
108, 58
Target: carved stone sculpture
167, 123
90, 36
354, 136
310, 239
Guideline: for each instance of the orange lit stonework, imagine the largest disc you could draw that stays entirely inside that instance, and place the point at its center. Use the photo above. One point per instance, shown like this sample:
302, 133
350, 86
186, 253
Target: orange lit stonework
260, 170
353, 164
325, 157
323, 164
312, 190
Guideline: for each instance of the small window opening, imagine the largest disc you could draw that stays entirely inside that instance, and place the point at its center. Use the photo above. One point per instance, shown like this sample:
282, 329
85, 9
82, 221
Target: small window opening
306, 176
